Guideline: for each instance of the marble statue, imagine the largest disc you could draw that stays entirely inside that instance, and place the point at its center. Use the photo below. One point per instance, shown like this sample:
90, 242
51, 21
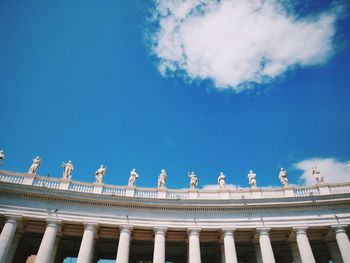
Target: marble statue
67, 169
100, 173
35, 165
193, 180
252, 180
221, 180
2, 156
133, 177
283, 177
317, 174
162, 178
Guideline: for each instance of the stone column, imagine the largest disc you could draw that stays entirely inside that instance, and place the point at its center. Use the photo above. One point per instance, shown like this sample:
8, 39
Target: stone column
229, 244
265, 245
304, 247
46, 246
7, 235
124, 244
194, 245
159, 245
86, 248
295, 252
335, 253
54, 250
13, 248
343, 242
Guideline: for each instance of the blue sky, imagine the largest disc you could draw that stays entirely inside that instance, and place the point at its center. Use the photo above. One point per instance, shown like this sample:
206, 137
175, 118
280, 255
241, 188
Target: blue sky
101, 82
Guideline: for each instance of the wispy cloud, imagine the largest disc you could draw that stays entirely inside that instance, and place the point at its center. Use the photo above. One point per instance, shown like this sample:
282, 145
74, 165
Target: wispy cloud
237, 43
332, 170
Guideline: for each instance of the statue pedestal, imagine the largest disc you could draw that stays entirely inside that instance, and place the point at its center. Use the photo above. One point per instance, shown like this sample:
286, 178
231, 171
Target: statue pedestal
256, 192
28, 179
161, 193
64, 185
97, 188
193, 194
324, 189
224, 193
288, 191
130, 191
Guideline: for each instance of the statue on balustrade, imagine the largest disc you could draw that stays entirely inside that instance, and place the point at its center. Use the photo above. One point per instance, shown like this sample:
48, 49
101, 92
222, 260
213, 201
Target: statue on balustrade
252, 180
100, 173
133, 177
2, 156
35, 165
193, 180
162, 178
317, 174
221, 180
67, 169
283, 177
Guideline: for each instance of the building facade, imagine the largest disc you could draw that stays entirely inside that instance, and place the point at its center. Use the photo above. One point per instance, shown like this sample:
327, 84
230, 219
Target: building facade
58, 218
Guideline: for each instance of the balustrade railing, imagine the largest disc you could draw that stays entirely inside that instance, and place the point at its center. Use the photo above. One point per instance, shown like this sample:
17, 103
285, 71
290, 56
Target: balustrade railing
11, 178
175, 194
47, 182
113, 190
272, 193
303, 192
145, 193
339, 189
81, 187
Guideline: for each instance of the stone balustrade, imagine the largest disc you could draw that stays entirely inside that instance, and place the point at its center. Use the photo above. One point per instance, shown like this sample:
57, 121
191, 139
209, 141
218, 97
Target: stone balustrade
182, 194
44, 216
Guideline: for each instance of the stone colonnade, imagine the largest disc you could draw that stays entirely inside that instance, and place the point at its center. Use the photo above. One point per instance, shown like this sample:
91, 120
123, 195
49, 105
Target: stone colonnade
301, 250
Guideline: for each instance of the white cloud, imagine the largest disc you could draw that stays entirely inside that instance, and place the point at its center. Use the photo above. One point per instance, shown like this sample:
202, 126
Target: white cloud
332, 170
237, 42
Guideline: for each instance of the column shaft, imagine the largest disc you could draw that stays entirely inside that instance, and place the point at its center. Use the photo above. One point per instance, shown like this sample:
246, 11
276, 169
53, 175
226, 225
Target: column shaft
13, 248
159, 245
86, 247
194, 245
265, 245
6, 237
124, 244
229, 244
46, 246
343, 242
54, 250
304, 247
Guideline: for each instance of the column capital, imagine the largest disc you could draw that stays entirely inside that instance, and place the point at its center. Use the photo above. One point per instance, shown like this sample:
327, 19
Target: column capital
91, 226
263, 230
53, 222
193, 231
300, 229
228, 231
13, 218
339, 228
125, 228
160, 230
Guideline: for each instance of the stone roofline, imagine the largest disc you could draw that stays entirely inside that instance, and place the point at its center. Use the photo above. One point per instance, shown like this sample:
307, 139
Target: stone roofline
174, 194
